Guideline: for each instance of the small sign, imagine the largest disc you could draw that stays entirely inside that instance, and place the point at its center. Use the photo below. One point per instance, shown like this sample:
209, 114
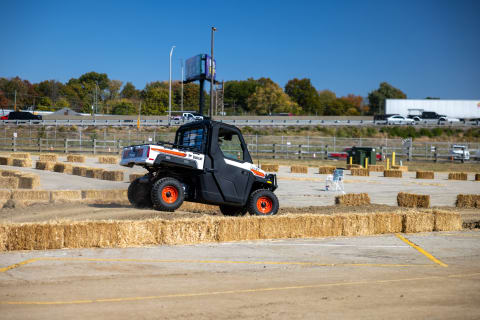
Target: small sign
433, 148
14, 134
149, 139
288, 143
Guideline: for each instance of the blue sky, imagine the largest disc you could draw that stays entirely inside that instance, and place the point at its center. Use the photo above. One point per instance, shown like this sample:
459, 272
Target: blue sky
425, 48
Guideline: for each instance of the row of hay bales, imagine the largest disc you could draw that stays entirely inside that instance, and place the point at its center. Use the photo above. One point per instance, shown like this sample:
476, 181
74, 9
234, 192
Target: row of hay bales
58, 235
13, 179
29, 197
54, 158
67, 168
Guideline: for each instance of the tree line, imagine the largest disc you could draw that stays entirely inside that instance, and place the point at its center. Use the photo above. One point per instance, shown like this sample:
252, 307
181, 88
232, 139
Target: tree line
95, 92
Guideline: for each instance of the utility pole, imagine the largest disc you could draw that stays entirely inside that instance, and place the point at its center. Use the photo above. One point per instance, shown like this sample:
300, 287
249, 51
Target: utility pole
15, 102
212, 74
170, 88
139, 111
181, 101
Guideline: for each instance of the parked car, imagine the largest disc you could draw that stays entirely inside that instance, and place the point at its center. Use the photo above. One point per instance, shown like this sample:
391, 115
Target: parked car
4, 117
20, 115
398, 119
460, 152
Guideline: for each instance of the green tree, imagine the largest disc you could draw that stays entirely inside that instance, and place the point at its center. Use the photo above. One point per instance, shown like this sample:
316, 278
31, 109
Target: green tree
129, 91
327, 99
270, 98
305, 95
377, 98
124, 107
62, 103
114, 88
45, 104
238, 92
155, 97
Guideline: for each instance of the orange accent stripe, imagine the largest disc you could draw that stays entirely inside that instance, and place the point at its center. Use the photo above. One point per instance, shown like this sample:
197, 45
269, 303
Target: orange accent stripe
257, 173
175, 153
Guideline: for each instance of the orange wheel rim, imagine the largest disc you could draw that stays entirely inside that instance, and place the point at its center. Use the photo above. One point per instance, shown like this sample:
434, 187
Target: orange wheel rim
169, 194
264, 205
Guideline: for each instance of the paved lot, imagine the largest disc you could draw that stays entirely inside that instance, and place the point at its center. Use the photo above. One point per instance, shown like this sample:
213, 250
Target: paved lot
430, 275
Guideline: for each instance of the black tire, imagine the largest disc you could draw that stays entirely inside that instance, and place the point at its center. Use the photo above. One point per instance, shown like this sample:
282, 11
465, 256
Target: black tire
233, 211
167, 194
139, 194
262, 202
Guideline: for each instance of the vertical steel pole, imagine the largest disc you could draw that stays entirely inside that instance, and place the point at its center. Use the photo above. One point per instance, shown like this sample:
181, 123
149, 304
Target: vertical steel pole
181, 101
212, 74
170, 88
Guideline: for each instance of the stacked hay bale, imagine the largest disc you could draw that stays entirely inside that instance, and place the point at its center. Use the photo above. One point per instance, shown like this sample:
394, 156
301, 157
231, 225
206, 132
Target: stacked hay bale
114, 175
425, 175
95, 173
29, 197
75, 158
13, 179
8, 182
411, 200
299, 169
108, 159
392, 173
5, 195
353, 199
22, 162
44, 165
401, 168
6, 161
457, 176
350, 166
48, 157
326, 169
28, 181
62, 167
134, 176
376, 168
270, 167
360, 172
65, 196
20, 155
80, 171
105, 196
468, 201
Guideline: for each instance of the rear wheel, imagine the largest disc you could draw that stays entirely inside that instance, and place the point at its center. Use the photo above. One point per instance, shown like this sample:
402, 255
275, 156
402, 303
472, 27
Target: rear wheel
139, 194
233, 211
263, 202
167, 194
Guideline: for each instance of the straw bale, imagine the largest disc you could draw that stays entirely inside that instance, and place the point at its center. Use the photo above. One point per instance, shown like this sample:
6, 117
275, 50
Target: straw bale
392, 173
376, 168
326, 169
270, 167
198, 207
425, 175
359, 172
188, 231
468, 201
115, 175
26, 163
418, 221
353, 199
28, 181
65, 196
10, 173
48, 157
401, 168
387, 223
135, 176
35, 236
477, 176
6, 161
3, 237
358, 224
96, 173
138, 233
5, 195
350, 166
108, 159
413, 200
9, 182
63, 167
79, 171
44, 165
75, 158
447, 221
31, 196
299, 169
105, 196
20, 155
238, 228
457, 176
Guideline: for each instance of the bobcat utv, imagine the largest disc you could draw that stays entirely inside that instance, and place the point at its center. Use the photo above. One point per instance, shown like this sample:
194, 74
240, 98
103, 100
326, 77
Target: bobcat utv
208, 163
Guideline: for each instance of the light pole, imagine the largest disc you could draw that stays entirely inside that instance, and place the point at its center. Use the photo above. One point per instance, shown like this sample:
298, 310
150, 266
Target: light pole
212, 75
181, 101
170, 88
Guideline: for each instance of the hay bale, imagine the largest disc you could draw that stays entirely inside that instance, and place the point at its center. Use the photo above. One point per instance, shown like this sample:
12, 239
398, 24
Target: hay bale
63, 167
75, 158
79, 171
376, 168
135, 176
5, 195
11, 173
48, 157
28, 181
359, 172
108, 159
447, 221
65, 196
6, 161
9, 182
44, 165
401, 168
35, 236
96, 173
115, 175
391, 222
477, 176
299, 169
351, 166
418, 222
105, 196
411, 200
326, 169
425, 175
468, 201
20, 155
25, 163
3, 237
358, 224
392, 173
270, 167
353, 199
457, 176
28, 197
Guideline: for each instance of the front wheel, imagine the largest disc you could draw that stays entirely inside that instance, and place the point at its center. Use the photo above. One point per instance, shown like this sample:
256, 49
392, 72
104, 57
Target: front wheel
167, 194
263, 202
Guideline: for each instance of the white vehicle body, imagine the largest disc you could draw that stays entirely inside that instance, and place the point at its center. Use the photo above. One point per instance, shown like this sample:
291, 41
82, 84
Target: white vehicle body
460, 152
398, 119
453, 109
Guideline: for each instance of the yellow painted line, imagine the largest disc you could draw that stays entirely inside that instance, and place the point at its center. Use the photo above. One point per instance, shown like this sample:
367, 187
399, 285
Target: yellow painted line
16, 265
422, 251
239, 291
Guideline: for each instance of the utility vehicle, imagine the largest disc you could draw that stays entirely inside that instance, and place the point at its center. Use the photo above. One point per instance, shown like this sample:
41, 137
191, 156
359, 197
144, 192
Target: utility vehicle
208, 163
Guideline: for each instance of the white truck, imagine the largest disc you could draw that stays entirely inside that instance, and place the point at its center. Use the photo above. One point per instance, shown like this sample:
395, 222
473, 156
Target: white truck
187, 117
